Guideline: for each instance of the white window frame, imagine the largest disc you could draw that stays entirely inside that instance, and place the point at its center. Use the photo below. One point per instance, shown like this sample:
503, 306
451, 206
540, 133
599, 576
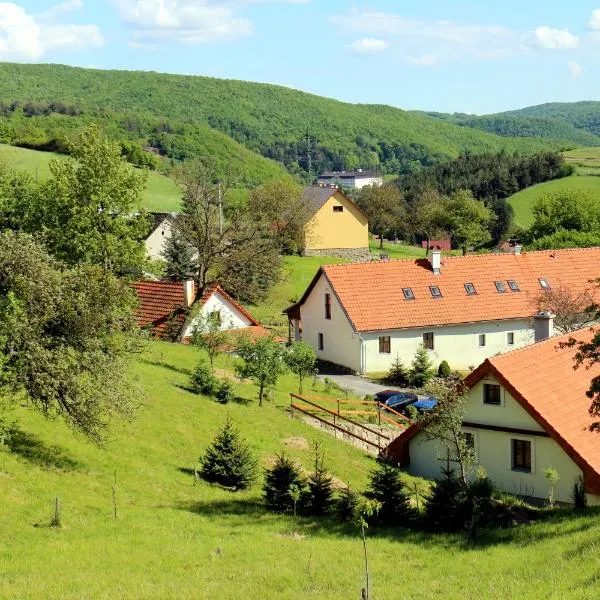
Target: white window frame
479, 344
513, 338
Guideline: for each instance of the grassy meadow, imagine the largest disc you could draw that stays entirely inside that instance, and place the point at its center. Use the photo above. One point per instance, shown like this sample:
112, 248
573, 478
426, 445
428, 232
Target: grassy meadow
177, 538
586, 178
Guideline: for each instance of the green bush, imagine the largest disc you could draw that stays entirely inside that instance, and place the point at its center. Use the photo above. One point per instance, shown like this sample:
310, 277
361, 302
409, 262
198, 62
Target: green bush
579, 497
224, 393
317, 500
446, 507
282, 481
398, 374
421, 370
202, 380
346, 505
229, 461
444, 369
387, 488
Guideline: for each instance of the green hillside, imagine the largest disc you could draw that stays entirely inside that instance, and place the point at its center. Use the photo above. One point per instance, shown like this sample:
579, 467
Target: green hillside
175, 537
161, 193
587, 178
165, 110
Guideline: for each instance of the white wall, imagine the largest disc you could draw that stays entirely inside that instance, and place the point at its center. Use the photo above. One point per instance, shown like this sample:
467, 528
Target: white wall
494, 452
363, 181
458, 344
341, 343
231, 317
155, 241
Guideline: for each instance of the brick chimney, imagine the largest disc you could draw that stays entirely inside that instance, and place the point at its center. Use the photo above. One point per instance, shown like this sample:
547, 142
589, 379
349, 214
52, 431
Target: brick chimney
435, 259
543, 326
189, 292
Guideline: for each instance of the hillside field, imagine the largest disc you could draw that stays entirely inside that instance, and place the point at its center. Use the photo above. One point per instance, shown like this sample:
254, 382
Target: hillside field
587, 178
177, 538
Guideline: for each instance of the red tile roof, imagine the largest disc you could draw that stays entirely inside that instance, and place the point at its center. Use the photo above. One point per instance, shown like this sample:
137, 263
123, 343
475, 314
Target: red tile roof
543, 380
159, 303
371, 293
162, 302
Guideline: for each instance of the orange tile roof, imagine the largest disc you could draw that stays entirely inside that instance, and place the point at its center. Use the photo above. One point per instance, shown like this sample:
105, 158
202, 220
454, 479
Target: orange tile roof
159, 303
371, 293
542, 378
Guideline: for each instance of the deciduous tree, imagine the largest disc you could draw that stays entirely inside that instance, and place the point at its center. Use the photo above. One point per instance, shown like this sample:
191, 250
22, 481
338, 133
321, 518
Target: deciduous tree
572, 310
301, 360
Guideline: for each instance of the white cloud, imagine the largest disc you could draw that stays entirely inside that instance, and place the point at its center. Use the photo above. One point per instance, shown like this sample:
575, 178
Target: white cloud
368, 45
187, 21
421, 40
29, 37
546, 37
425, 60
595, 20
575, 69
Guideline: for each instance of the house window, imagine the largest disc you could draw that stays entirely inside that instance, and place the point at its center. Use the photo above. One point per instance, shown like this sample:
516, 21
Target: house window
435, 291
491, 394
469, 439
521, 455
481, 340
214, 317
428, 340
328, 306
321, 342
510, 339
500, 287
470, 289
544, 284
338, 209
513, 285
408, 294
385, 345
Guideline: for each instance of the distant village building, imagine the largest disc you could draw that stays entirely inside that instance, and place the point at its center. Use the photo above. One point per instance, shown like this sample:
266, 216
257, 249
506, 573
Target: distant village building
463, 309
445, 244
336, 226
352, 180
526, 411
163, 306
160, 231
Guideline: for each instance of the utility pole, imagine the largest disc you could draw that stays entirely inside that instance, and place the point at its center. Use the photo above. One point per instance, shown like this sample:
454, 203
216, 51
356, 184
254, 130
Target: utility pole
220, 204
308, 153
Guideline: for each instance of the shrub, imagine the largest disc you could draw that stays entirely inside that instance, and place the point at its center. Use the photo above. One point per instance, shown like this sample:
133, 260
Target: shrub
446, 507
421, 369
387, 488
444, 370
398, 374
202, 380
318, 497
281, 480
224, 393
346, 505
229, 461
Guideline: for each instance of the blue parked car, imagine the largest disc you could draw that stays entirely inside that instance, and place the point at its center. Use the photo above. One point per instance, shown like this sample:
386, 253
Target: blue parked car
401, 401
425, 404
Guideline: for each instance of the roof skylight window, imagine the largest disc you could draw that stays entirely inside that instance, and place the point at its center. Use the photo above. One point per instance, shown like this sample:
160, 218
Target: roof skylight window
513, 285
408, 294
500, 286
435, 291
470, 288
544, 283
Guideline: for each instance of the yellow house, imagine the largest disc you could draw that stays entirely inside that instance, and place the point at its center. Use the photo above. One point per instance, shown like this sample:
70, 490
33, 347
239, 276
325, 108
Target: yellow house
336, 225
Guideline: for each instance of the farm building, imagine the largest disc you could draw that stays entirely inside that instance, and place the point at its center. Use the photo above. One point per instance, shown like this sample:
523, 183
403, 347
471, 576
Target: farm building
164, 305
336, 225
352, 180
463, 309
526, 411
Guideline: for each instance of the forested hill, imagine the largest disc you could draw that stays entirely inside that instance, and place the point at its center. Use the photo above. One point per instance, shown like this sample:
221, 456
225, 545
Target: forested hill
577, 122
164, 111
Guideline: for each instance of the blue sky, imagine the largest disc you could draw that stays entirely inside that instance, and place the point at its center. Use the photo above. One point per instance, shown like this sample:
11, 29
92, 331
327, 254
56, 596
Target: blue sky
469, 56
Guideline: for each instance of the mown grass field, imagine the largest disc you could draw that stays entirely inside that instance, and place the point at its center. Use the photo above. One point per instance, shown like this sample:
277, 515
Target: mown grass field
175, 538
587, 178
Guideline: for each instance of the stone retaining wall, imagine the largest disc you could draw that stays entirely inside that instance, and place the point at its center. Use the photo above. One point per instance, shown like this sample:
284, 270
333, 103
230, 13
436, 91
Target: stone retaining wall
352, 254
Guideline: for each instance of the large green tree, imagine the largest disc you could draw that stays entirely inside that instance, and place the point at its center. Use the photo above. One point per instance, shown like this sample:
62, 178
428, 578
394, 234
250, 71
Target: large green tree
67, 335
385, 206
86, 209
465, 219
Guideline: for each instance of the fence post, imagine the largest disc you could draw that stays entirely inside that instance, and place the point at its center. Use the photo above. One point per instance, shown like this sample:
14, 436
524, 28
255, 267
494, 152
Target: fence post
379, 414
338, 405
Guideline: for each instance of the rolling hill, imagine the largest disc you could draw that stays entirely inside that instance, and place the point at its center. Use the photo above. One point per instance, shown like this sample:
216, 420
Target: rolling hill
587, 179
175, 113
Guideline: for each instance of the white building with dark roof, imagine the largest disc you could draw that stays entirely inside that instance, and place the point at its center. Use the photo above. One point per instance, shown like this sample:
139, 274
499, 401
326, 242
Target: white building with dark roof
352, 180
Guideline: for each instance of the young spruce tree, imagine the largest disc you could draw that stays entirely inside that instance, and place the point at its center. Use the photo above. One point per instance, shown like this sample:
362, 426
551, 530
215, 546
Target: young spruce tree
421, 369
387, 488
229, 461
179, 256
320, 486
398, 375
281, 481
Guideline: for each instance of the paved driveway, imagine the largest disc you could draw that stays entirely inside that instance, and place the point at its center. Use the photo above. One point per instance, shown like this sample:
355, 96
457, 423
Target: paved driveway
359, 385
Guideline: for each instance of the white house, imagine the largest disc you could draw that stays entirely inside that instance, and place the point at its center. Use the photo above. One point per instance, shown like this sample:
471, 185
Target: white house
163, 306
526, 411
160, 232
351, 179
464, 309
